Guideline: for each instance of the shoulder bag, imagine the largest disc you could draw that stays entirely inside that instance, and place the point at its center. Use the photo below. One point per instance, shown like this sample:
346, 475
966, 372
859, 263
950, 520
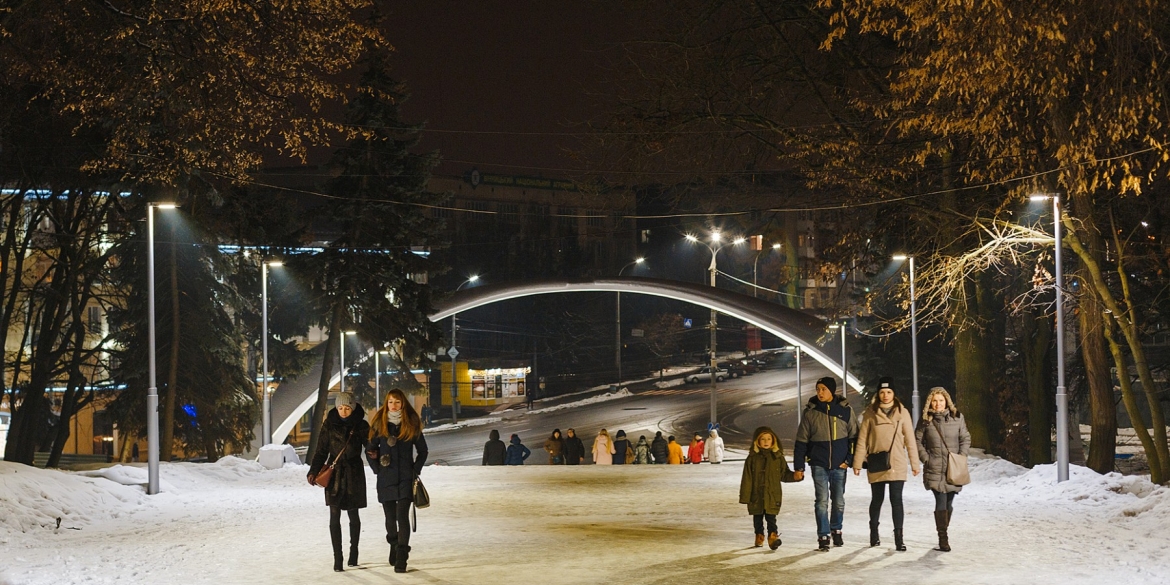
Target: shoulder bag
419, 499
326, 474
957, 472
879, 461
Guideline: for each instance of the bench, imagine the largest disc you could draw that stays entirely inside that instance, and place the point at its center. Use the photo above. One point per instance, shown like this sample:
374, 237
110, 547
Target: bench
69, 460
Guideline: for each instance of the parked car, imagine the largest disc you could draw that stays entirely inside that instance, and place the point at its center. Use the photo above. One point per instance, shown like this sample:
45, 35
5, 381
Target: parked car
735, 369
704, 375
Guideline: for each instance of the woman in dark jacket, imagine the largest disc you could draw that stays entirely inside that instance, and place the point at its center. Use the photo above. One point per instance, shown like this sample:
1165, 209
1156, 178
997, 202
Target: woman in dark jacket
574, 448
344, 433
941, 430
555, 445
517, 452
622, 448
395, 438
494, 450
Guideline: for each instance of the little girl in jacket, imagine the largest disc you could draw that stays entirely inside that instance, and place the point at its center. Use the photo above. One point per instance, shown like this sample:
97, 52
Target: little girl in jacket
763, 471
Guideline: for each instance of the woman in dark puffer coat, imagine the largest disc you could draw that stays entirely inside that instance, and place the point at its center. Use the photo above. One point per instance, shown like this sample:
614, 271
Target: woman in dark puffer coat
345, 433
395, 439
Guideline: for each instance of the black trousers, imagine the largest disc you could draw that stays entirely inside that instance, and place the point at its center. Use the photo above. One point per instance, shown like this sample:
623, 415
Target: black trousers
397, 521
943, 501
758, 523
335, 518
878, 496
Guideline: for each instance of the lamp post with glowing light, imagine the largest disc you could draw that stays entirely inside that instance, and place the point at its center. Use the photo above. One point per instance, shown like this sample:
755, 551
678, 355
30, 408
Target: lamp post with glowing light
617, 358
454, 353
915, 400
152, 441
267, 398
342, 344
755, 267
714, 247
1061, 394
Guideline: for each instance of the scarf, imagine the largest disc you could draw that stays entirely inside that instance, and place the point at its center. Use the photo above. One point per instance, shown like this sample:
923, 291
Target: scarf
394, 417
886, 411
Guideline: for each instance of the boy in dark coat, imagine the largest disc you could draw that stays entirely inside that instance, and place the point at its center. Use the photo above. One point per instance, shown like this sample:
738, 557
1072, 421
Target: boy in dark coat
517, 452
763, 471
574, 448
494, 450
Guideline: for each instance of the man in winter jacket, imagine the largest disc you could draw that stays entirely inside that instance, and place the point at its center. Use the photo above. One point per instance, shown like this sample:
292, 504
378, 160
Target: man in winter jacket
517, 452
658, 448
494, 451
825, 439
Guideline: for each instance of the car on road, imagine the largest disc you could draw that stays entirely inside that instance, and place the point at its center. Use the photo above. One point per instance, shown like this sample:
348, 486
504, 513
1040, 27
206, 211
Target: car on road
735, 369
704, 375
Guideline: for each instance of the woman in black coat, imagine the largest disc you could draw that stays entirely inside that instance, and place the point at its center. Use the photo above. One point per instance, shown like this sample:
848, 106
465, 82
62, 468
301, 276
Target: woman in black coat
345, 432
397, 452
574, 448
494, 451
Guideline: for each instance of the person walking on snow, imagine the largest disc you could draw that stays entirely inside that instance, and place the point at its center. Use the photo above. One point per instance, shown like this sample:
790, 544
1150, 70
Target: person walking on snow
395, 438
713, 447
555, 447
517, 452
494, 451
345, 434
642, 451
941, 430
623, 452
603, 448
674, 452
574, 448
825, 441
695, 450
763, 471
886, 427
658, 448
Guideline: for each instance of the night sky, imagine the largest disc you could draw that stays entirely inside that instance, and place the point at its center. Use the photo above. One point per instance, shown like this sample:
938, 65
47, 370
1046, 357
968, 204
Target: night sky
499, 82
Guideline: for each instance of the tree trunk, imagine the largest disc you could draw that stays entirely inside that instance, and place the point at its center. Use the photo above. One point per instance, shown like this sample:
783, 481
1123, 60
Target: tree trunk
1131, 406
1035, 348
1102, 408
167, 440
326, 377
978, 360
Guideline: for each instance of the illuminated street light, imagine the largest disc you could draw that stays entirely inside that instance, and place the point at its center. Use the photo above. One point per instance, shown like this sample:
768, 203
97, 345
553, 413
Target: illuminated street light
267, 396
618, 335
913, 337
454, 353
714, 249
152, 441
1061, 394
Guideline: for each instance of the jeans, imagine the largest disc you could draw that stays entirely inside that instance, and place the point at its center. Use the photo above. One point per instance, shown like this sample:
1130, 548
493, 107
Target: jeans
943, 501
878, 493
758, 523
829, 484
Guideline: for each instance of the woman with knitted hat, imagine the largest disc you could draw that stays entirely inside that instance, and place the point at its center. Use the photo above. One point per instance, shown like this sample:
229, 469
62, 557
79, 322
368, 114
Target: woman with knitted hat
343, 438
886, 439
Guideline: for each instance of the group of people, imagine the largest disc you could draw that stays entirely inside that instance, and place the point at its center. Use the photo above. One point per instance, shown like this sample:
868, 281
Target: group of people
831, 441
617, 450
393, 445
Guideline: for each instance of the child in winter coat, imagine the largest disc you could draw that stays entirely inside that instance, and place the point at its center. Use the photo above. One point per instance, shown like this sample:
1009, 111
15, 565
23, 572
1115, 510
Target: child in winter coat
642, 451
763, 471
517, 452
695, 451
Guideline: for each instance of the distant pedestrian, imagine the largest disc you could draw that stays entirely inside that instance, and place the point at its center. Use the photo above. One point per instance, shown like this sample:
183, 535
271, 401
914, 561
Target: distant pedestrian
642, 451
942, 430
674, 452
658, 448
134, 452
396, 435
885, 439
623, 451
343, 438
555, 446
603, 449
714, 447
426, 415
695, 450
574, 448
494, 451
825, 440
517, 452
763, 471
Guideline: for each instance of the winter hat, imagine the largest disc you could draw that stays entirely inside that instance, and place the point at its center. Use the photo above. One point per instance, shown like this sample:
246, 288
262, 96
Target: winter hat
658, 435
886, 382
830, 383
343, 399
621, 434
494, 435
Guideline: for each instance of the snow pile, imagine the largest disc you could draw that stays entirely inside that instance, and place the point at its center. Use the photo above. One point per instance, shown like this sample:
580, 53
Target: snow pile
471, 422
623, 393
670, 383
36, 499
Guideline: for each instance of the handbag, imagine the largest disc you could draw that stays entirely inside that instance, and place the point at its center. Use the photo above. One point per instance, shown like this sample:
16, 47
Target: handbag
629, 455
957, 472
326, 474
879, 461
420, 499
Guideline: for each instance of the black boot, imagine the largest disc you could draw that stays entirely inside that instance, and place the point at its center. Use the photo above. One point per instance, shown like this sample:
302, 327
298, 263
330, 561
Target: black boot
874, 539
400, 561
393, 540
355, 533
838, 540
335, 536
940, 524
899, 544
823, 543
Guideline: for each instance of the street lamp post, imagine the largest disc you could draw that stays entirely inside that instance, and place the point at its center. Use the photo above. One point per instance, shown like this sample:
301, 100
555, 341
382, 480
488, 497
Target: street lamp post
915, 400
454, 353
378, 380
617, 358
755, 267
152, 445
1061, 395
799, 398
716, 238
342, 344
267, 398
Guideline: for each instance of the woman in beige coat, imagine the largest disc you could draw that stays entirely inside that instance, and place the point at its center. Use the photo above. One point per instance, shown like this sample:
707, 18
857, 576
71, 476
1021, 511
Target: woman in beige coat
603, 449
886, 426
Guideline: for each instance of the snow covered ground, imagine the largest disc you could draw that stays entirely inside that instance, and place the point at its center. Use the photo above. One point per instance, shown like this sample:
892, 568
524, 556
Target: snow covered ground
235, 522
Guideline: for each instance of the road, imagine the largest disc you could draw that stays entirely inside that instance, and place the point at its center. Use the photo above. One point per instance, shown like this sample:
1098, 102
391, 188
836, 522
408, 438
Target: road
764, 398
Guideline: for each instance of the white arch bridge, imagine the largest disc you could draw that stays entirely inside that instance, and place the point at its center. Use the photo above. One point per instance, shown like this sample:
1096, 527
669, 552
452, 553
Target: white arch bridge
293, 398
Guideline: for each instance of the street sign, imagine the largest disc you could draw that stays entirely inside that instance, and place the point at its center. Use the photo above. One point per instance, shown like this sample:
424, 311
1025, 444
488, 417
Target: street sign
453, 352
687, 323
637, 333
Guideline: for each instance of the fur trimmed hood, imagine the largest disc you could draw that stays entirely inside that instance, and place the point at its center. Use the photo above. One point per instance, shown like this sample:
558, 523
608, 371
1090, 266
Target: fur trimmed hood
926, 413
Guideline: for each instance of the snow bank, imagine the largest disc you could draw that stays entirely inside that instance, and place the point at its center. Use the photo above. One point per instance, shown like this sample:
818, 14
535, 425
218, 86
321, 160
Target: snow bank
37, 499
623, 393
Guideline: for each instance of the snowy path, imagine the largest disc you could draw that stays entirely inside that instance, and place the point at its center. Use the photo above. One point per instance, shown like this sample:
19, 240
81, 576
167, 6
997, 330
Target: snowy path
233, 522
